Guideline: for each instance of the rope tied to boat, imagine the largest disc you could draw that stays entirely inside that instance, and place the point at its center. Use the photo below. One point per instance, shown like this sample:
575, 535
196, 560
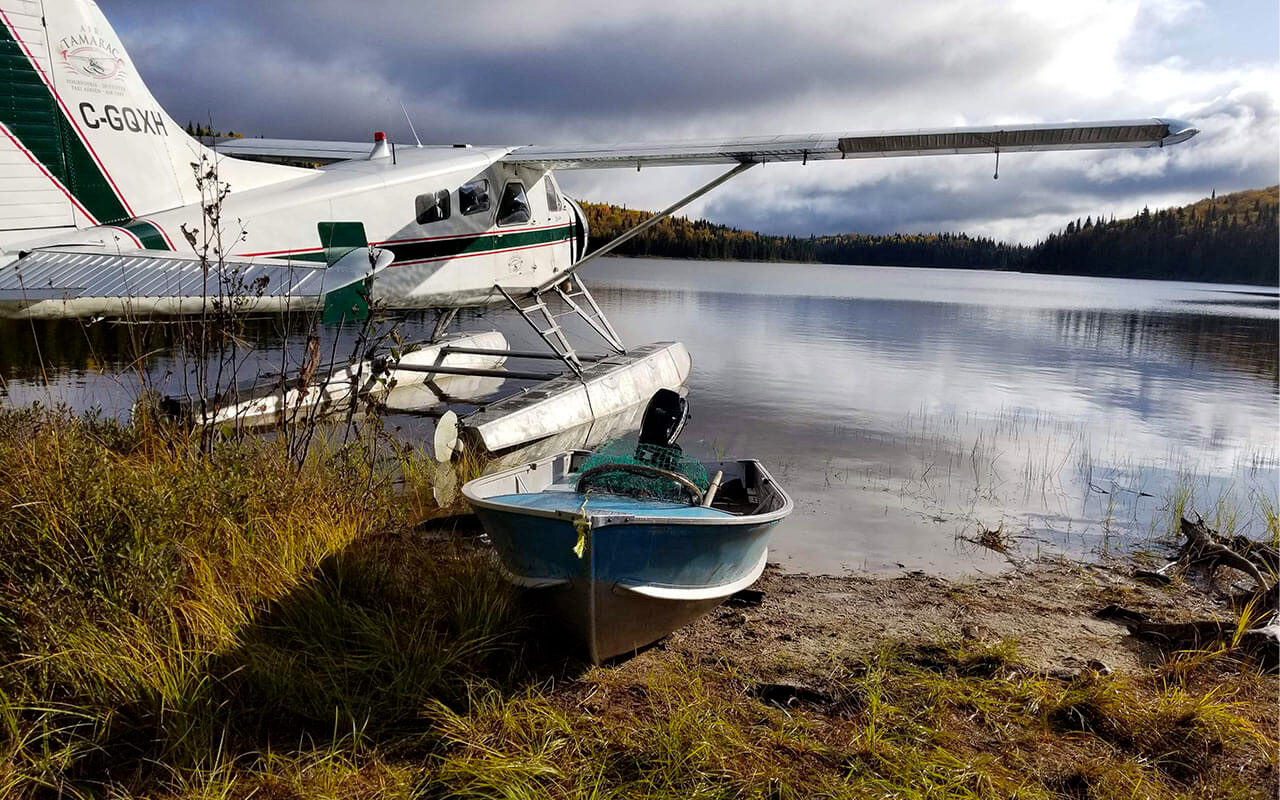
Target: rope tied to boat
582, 524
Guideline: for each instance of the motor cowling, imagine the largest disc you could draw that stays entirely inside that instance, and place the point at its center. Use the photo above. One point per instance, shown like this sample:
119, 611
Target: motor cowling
664, 418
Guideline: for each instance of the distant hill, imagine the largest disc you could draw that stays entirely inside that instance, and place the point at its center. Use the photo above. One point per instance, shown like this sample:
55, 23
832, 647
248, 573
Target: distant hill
1227, 239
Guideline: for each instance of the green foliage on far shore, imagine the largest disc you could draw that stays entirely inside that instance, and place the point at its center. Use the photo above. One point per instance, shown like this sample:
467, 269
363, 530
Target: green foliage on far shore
1227, 239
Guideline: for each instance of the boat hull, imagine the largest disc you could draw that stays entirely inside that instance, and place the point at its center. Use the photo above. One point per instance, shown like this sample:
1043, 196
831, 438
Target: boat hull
620, 573
611, 619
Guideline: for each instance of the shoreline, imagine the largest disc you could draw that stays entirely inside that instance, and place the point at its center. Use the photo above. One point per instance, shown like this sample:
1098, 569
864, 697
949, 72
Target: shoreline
1048, 607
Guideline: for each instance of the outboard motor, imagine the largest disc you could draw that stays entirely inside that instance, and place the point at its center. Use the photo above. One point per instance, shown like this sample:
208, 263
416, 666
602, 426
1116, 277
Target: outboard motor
656, 468
664, 418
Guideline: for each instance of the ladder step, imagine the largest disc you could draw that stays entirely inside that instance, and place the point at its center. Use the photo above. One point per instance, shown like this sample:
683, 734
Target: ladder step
580, 303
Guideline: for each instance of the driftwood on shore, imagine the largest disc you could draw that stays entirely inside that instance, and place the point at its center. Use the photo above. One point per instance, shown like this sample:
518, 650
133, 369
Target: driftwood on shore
1205, 548
1256, 632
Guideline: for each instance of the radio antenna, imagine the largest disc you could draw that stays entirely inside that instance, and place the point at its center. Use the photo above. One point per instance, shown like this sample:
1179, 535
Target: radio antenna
411, 128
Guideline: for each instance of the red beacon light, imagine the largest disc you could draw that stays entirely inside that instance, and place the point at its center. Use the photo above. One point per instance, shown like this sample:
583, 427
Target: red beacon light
381, 147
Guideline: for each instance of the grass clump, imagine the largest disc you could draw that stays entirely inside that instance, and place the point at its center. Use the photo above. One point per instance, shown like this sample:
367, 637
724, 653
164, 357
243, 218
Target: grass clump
1178, 732
965, 719
669, 733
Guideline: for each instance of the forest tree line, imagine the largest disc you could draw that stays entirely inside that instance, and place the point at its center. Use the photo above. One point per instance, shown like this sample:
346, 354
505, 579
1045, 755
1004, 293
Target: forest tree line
1227, 239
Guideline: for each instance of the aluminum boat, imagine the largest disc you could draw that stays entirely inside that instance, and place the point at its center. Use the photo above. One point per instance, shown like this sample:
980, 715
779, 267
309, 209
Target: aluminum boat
624, 571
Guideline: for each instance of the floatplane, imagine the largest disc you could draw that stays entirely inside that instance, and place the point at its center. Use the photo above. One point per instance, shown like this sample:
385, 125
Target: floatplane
106, 201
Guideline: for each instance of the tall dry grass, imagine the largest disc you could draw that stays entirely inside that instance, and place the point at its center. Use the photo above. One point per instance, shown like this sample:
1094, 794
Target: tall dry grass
162, 606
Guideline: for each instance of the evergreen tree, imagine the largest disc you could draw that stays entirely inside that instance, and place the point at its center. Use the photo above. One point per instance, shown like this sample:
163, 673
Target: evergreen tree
1234, 239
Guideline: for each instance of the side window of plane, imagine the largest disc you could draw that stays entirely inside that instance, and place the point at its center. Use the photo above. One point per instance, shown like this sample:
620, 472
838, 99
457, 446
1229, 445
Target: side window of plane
433, 207
513, 208
553, 198
474, 197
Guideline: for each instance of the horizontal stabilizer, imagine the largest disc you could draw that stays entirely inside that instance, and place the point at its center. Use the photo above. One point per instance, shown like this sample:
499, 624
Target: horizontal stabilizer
292, 150
88, 281
873, 144
295, 151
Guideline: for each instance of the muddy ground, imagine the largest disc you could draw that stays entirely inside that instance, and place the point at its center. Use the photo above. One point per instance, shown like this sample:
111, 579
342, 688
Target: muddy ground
1048, 608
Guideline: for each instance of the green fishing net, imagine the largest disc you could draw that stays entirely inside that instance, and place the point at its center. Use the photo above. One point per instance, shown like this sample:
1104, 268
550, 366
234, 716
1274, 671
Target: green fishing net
620, 452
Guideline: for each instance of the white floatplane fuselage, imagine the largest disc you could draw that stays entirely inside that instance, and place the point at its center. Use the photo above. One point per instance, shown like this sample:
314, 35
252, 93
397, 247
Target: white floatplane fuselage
457, 220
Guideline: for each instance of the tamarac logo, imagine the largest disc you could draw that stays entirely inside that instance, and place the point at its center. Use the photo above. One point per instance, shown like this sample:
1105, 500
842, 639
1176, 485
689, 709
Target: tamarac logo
89, 54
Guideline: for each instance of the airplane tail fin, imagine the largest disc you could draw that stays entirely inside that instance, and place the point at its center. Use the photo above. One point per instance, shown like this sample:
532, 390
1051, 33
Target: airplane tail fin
82, 140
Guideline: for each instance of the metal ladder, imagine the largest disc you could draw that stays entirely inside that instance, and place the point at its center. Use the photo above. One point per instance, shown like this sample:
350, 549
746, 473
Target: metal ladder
593, 316
546, 322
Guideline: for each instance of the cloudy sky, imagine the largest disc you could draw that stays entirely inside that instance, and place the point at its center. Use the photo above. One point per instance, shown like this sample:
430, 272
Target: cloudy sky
558, 72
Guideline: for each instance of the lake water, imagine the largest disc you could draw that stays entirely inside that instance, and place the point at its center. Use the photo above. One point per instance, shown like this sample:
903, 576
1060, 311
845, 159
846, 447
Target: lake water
906, 410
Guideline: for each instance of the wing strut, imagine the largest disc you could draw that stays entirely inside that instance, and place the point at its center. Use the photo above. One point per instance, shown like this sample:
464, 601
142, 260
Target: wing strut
544, 321
646, 225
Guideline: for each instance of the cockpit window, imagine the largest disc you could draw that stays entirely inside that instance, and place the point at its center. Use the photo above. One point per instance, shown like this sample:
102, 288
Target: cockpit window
474, 197
433, 207
513, 208
553, 197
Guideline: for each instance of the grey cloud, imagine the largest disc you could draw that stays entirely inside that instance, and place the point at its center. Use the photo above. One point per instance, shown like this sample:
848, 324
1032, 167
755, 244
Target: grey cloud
914, 201
490, 72
613, 76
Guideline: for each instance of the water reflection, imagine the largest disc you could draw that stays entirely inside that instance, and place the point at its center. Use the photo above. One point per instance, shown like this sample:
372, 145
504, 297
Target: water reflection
901, 407
1246, 344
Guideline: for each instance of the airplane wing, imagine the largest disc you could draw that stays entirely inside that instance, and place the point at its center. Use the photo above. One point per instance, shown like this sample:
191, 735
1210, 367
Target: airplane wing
82, 281
872, 144
1150, 132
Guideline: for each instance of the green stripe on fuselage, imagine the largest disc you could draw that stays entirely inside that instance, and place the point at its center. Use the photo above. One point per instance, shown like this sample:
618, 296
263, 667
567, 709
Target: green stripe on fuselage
473, 245
320, 257
148, 234
446, 248
32, 114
